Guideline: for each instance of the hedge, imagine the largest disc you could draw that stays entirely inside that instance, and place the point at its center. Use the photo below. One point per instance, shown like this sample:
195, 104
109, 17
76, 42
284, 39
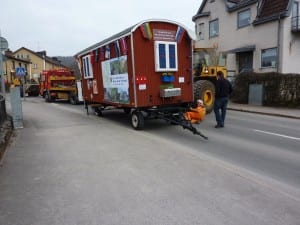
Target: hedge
279, 89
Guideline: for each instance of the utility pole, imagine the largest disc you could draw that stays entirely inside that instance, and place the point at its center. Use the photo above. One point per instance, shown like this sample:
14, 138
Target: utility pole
3, 47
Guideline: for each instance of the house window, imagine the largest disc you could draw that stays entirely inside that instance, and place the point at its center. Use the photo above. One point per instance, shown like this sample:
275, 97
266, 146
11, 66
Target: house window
214, 28
201, 31
87, 67
295, 16
244, 18
295, 10
165, 56
34, 66
269, 57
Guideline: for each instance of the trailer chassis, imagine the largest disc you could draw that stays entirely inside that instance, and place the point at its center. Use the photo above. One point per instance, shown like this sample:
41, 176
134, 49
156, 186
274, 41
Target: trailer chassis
172, 115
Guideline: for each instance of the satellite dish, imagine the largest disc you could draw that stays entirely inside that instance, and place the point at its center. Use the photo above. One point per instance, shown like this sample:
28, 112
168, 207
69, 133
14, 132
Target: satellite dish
3, 44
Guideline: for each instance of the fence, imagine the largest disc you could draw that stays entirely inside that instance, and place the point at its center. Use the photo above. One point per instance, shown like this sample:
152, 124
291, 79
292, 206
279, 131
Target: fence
2, 110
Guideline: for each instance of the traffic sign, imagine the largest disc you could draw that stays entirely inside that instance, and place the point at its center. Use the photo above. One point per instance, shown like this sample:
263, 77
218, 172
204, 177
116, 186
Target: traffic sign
20, 72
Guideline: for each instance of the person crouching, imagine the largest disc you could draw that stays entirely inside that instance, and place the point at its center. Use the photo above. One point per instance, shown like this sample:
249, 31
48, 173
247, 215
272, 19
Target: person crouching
196, 115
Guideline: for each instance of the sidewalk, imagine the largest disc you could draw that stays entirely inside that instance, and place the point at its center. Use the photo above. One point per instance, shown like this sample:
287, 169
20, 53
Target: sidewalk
5, 134
273, 111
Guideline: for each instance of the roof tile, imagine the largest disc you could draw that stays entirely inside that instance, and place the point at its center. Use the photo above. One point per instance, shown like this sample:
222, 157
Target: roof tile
273, 8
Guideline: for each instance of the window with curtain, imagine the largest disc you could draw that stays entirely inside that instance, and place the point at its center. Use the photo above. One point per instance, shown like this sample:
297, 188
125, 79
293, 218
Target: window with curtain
269, 57
213, 28
87, 67
166, 56
244, 18
201, 31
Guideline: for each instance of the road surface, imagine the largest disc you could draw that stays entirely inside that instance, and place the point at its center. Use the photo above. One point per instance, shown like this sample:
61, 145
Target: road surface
68, 168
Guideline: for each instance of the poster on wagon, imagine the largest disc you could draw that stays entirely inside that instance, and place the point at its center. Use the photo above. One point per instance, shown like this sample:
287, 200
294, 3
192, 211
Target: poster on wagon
115, 80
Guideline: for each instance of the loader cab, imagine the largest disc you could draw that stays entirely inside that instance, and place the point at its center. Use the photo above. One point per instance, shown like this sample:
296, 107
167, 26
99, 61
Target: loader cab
207, 62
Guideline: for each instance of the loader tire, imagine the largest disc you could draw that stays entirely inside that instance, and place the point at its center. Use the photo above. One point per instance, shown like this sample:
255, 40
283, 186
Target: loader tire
205, 90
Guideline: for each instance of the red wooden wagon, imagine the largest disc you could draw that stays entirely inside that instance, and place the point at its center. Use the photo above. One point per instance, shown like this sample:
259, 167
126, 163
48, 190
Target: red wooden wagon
146, 70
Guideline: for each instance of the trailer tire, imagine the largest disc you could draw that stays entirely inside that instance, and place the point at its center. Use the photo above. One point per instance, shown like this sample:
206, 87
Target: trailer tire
137, 120
98, 111
205, 90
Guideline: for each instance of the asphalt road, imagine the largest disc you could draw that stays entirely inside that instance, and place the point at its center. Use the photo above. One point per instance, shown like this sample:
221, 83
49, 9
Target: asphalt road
66, 168
266, 145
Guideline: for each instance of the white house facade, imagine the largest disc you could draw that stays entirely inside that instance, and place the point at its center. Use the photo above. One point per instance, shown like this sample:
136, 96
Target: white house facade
256, 35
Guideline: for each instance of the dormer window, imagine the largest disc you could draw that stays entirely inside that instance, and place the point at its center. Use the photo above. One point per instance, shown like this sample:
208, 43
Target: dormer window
244, 18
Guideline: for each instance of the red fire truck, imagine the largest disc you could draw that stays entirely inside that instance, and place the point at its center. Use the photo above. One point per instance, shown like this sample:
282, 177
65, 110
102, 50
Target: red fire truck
58, 84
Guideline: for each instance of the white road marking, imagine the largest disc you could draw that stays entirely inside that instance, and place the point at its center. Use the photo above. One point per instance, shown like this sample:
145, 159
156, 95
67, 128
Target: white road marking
280, 135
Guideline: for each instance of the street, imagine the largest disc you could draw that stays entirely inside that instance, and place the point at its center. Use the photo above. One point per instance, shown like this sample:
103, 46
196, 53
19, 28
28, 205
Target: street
66, 167
266, 145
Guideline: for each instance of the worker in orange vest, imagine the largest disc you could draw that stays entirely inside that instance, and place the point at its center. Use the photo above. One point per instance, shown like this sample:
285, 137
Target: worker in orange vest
196, 115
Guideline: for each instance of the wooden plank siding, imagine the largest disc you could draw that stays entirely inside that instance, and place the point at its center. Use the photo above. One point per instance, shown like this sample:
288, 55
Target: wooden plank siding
141, 63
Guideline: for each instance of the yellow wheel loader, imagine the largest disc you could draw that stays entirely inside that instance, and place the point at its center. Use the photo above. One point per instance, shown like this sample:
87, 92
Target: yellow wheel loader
206, 63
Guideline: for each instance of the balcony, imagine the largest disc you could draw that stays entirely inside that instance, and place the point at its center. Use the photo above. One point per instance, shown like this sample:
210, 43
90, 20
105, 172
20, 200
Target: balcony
296, 24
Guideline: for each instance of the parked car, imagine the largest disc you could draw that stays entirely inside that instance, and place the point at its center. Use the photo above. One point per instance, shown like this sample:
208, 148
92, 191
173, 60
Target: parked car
31, 88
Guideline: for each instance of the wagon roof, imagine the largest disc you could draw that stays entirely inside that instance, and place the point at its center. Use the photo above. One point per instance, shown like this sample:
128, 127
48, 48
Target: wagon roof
127, 32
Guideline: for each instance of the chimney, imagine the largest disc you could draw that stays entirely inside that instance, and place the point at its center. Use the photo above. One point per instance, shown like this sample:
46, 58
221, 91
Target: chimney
42, 53
8, 52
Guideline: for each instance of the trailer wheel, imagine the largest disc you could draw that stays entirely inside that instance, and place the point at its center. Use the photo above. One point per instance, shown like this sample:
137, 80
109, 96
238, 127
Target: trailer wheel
137, 120
98, 111
205, 90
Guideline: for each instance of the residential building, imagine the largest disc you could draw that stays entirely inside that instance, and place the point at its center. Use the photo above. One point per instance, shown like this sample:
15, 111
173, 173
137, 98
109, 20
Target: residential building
39, 61
256, 35
10, 63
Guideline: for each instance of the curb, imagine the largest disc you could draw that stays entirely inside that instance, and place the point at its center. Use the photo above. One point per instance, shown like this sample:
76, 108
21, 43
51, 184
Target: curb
6, 132
264, 113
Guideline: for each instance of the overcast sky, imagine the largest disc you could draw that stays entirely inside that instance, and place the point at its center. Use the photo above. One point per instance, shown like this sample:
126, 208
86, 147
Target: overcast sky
65, 27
